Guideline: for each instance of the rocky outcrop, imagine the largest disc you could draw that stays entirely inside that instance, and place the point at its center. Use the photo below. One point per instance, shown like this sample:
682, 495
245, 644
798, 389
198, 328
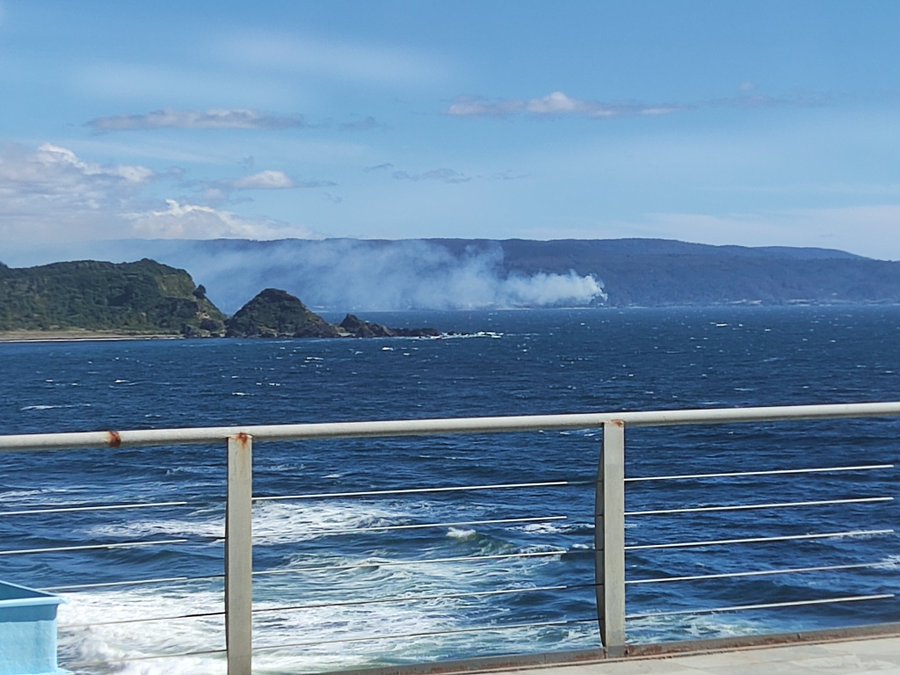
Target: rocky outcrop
275, 313
278, 314
353, 326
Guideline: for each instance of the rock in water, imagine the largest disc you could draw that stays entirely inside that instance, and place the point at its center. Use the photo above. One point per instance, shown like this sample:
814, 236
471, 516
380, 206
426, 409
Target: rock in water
356, 327
276, 313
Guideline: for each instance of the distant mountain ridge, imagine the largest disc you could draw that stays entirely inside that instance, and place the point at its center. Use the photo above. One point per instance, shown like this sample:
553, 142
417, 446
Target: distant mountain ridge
354, 274
633, 272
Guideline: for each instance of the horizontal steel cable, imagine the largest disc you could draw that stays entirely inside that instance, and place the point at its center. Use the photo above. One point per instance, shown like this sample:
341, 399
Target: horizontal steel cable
753, 540
765, 605
747, 507
426, 490
99, 507
770, 472
458, 631
411, 562
96, 547
755, 573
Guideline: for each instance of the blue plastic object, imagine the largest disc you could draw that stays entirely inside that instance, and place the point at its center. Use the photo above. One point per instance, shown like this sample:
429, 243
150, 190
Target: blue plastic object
27, 631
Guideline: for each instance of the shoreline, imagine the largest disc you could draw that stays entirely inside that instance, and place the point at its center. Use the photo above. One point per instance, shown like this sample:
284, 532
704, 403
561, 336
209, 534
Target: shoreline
18, 336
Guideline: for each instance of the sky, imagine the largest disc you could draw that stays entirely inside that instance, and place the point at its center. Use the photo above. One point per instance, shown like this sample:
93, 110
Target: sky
722, 122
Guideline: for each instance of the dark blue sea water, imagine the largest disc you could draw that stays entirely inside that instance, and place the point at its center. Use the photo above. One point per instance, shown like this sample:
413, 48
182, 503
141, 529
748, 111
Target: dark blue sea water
505, 363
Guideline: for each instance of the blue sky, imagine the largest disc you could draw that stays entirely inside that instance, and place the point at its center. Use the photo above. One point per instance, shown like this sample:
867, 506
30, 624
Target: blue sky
754, 123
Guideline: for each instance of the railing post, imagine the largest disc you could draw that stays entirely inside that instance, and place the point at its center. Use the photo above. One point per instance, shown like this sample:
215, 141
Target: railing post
609, 539
239, 556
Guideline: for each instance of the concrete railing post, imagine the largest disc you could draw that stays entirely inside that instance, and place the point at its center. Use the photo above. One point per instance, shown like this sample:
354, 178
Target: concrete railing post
239, 556
609, 539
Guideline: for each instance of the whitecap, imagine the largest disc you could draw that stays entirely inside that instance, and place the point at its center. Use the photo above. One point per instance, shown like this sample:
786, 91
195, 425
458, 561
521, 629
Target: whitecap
461, 534
52, 407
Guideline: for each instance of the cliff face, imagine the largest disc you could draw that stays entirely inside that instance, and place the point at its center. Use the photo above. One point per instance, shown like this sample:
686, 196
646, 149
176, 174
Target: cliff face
139, 297
276, 313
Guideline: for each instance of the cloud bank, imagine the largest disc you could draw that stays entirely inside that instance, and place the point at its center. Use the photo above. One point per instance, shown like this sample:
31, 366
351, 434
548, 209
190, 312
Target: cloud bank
50, 193
265, 180
559, 104
555, 104
191, 119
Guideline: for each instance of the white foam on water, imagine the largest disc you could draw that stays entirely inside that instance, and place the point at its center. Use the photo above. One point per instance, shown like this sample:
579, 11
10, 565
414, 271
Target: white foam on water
891, 562
40, 497
694, 626
207, 526
373, 578
557, 527
273, 522
47, 406
279, 522
309, 579
108, 648
458, 533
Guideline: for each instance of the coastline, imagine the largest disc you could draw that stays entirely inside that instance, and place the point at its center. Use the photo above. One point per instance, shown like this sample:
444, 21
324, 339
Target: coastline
76, 335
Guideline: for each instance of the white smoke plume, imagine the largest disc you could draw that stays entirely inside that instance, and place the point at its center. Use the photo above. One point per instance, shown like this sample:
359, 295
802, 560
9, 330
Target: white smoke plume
368, 275
352, 275
348, 274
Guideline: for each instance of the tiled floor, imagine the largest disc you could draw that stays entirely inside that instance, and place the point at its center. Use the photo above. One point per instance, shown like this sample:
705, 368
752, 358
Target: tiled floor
861, 656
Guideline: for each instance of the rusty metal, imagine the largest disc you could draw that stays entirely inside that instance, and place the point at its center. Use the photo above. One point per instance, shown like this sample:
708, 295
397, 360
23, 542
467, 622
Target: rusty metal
425, 427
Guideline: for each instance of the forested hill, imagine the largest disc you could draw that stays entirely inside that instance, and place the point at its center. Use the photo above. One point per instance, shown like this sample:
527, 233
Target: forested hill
651, 272
139, 297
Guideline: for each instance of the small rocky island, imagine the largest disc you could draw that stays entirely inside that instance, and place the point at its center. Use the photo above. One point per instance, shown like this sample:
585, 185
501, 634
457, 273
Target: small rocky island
274, 313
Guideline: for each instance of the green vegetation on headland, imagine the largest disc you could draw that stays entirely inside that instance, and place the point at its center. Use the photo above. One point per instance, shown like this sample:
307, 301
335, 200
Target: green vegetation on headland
143, 297
93, 299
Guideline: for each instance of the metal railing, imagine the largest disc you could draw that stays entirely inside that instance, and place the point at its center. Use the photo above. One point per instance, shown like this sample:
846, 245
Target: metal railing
610, 514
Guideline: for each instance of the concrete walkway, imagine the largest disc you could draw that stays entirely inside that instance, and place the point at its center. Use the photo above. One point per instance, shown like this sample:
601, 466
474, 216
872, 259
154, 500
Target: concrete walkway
877, 654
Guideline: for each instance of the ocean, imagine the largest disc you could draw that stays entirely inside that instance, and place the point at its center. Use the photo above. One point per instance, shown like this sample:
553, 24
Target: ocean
339, 576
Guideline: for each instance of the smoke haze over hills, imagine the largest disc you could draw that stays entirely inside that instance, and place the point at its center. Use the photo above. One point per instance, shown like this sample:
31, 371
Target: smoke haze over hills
348, 274
353, 274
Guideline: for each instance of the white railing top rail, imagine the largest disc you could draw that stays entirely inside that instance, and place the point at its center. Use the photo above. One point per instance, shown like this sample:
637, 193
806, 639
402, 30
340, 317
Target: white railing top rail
421, 427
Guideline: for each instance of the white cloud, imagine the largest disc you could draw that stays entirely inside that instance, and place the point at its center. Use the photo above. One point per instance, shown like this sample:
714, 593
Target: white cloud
52, 194
234, 118
192, 221
53, 158
265, 180
555, 104
560, 104
443, 175
271, 180
51, 191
